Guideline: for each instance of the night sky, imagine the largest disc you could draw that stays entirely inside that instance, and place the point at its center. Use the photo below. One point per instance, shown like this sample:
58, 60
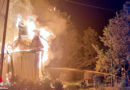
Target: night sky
85, 13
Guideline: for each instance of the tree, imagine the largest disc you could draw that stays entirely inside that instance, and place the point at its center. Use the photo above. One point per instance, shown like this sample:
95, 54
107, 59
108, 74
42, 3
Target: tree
115, 40
90, 37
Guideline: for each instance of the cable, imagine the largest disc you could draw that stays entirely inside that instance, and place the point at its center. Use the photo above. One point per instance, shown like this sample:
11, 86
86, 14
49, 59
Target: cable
85, 5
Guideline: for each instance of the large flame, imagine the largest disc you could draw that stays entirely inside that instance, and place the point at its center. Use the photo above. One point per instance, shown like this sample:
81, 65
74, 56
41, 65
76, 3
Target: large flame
30, 23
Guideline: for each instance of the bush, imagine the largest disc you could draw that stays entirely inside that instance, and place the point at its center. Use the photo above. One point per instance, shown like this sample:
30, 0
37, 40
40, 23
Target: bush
58, 85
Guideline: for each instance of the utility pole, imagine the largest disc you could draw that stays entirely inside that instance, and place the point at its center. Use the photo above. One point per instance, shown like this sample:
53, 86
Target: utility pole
4, 38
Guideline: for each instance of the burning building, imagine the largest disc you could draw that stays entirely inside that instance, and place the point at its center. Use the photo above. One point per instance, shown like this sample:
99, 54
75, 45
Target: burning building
26, 55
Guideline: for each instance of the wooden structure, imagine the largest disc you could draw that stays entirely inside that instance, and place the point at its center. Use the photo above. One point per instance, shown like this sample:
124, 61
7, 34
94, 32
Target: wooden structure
25, 66
25, 60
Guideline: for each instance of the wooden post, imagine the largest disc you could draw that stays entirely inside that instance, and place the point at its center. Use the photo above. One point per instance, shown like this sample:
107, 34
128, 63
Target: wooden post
4, 38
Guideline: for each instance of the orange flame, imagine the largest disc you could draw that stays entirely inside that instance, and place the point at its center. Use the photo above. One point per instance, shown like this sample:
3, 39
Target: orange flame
44, 35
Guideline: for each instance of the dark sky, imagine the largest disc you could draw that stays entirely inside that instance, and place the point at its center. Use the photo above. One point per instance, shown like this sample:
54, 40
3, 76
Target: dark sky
85, 13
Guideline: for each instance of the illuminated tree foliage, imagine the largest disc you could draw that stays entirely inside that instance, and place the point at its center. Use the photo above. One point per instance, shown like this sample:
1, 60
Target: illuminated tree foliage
90, 37
115, 40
